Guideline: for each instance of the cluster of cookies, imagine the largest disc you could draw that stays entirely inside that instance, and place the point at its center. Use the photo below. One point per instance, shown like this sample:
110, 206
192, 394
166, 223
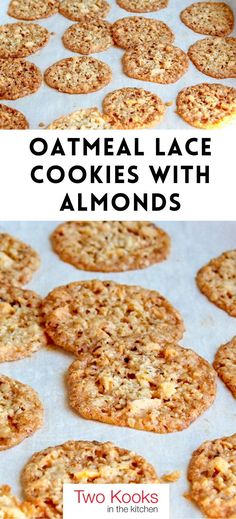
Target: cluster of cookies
129, 368
149, 56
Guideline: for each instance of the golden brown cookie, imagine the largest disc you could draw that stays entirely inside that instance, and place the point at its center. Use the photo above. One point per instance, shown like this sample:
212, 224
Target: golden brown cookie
88, 36
21, 333
18, 261
78, 75
83, 119
142, 6
215, 57
18, 78
81, 462
137, 30
21, 412
110, 246
225, 364
12, 508
160, 63
142, 384
131, 108
78, 9
208, 105
11, 119
217, 281
213, 479
212, 18
32, 10
18, 40
82, 314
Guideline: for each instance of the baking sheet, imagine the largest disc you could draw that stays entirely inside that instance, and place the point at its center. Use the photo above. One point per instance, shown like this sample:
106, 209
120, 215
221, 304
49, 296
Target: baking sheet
193, 244
47, 104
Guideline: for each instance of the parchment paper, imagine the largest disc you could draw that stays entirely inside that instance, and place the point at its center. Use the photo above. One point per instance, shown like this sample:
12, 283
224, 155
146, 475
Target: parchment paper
47, 104
207, 327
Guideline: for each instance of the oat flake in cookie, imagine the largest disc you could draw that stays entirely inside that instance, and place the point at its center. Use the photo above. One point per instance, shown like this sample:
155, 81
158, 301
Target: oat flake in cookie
18, 78
21, 412
215, 57
18, 40
18, 261
212, 476
81, 462
78, 75
11, 119
32, 9
88, 36
81, 314
137, 30
111, 246
225, 364
142, 384
208, 105
83, 119
12, 508
212, 18
217, 281
78, 9
21, 332
142, 6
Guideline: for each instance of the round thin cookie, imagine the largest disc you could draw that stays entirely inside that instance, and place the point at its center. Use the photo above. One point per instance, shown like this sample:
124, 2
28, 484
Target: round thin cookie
18, 261
78, 9
212, 18
160, 63
81, 462
131, 108
88, 36
110, 246
225, 364
12, 508
83, 119
78, 75
81, 314
142, 6
208, 105
142, 384
137, 30
21, 412
21, 333
18, 78
32, 10
212, 477
215, 57
18, 40
11, 119
217, 281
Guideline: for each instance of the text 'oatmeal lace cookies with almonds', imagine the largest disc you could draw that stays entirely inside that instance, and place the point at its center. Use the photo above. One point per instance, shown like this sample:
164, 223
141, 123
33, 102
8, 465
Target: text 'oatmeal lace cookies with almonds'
21, 412
83, 119
137, 30
212, 18
81, 314
78, 75
110, 246
18, 261
225, 364
18, 40
21, 333
142, 6
215, 57
12, 508
212, 476
88, 36
217, 281
31, 9
18, 78
130, 108
159, 63
78, 9
208, 105
81, 462
11, 119
142, 384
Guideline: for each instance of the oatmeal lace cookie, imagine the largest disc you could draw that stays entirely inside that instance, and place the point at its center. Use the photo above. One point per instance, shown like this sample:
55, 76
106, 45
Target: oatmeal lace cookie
212, 18
225, 364
83, 119
215, 57
18, 78
137, 30
78, 9
32, 10
18, 261
18, 40
88, 36
12, 508
11, 119
142, 6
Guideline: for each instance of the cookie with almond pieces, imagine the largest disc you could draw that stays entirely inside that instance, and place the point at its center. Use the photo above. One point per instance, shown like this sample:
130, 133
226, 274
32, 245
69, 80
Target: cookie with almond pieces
88, 36
18, 78
32, 10
142, 6
78, 9
225, 364
215, 57
18, 261
83, 119
11, 119
18, 40
211, 18
137, 30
